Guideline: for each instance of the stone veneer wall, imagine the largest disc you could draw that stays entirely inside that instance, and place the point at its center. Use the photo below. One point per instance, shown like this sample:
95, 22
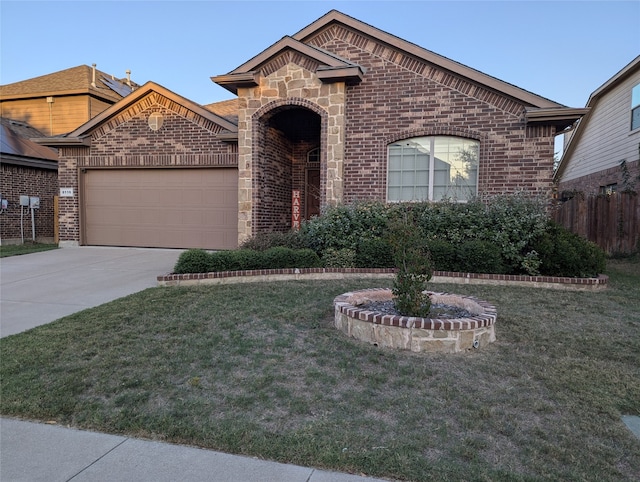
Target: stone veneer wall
288, 85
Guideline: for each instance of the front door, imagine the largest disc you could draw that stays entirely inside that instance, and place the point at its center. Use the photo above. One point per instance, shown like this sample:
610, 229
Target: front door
312, 193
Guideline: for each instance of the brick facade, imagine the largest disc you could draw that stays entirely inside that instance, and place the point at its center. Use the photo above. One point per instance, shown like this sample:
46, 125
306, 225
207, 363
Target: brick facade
186, 139
339, 86
399, 96
16, 181
596, 182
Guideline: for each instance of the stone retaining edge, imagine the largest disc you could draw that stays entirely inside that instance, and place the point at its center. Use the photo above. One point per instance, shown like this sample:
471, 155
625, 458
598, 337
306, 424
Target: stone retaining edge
265, 275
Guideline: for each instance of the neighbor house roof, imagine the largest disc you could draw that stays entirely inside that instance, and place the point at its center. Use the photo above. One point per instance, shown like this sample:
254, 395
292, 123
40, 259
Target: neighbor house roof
76, 80
17, 148
630, 69
225, 108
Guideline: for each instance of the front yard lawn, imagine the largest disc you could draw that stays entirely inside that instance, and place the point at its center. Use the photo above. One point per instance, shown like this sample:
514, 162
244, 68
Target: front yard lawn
258, 369
26, 248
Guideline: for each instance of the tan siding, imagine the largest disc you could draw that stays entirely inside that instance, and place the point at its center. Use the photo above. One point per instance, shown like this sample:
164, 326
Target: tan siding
65, 115
607, 137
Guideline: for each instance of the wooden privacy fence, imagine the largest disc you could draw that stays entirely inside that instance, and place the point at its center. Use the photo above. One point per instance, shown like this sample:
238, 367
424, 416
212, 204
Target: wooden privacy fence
611, 221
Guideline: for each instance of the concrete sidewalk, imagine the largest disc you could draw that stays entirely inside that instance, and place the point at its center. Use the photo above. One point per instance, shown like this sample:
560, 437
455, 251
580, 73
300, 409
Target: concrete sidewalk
33, 452
41, 287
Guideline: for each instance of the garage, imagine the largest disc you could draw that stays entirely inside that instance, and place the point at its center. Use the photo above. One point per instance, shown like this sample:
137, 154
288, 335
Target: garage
160, 208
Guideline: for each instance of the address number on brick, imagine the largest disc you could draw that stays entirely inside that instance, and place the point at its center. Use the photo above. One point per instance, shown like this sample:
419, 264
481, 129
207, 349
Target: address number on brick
66, 192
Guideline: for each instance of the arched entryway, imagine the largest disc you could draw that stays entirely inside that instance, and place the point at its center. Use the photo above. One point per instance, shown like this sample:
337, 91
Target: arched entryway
287, 174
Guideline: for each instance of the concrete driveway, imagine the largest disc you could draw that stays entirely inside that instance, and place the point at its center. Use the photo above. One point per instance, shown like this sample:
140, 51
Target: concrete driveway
41, 287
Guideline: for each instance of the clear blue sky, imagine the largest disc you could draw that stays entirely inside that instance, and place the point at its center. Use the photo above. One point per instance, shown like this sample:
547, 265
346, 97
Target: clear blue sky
557, 49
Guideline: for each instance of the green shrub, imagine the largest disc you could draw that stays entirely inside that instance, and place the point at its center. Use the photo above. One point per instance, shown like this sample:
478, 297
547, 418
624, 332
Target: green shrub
262, 241
412, 261
223, 261
247, 259
563, 253
443, 255
477, 256
277, 257
509, 221
345, 225
339, 258
193, 261
280, 257
374, 253
306, 258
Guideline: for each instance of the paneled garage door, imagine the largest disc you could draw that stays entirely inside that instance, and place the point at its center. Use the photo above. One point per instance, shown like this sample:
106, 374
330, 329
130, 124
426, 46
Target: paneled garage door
161, 208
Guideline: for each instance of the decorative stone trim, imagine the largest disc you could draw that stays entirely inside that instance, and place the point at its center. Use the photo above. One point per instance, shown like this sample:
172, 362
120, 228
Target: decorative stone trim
251, 276
415, 333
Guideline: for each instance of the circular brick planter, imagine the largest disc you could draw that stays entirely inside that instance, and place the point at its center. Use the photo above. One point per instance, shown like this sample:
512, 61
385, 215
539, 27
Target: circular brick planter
452, 335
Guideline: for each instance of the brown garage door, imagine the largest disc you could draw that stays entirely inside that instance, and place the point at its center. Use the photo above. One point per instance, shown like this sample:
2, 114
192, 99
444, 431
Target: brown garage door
161, 208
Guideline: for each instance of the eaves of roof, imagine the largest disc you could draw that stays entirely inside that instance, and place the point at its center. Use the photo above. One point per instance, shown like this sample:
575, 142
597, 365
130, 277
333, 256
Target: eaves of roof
332, 67
336, 17
630, 69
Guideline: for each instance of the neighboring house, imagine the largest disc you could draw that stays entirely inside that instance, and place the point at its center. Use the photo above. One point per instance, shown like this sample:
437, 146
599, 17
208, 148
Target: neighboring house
339, 112
607, 135
58, 103
48, 105
26, 169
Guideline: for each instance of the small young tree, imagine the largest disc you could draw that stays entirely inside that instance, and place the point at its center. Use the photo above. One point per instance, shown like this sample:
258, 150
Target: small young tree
411, 258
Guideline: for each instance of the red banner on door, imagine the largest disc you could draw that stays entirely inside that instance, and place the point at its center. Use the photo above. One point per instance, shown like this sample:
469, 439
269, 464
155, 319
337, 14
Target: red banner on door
295, 209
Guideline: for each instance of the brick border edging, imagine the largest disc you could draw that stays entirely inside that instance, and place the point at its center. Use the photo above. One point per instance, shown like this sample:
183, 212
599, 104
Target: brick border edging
486, 318
249, 276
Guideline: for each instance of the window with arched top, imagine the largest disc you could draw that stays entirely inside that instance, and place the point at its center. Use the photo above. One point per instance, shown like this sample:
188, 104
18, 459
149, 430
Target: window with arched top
432, 168
313, 155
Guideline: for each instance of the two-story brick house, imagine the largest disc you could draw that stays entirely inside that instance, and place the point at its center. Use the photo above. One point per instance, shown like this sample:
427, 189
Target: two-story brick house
48, 105
339, 112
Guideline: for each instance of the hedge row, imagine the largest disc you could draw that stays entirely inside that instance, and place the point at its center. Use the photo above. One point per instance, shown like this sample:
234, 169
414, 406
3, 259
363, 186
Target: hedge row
510, 234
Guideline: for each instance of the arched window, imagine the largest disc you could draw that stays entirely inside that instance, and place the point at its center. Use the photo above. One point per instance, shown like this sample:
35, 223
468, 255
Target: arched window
313, 155
432, 168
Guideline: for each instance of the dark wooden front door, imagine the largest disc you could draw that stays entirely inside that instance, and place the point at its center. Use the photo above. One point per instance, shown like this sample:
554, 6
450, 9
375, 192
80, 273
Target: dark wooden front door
312, 193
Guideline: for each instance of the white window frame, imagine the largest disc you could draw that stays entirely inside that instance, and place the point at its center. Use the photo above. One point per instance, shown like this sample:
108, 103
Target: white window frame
431, 144
635, 107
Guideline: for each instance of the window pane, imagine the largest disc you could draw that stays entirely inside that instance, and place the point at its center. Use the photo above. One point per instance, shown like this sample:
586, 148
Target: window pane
635, 118
455, 168
635, 96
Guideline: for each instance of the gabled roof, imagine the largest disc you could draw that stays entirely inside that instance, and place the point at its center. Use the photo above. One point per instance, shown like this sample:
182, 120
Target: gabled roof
630, 69
246, 75
79, 136
76, 80
332, 67
16, 148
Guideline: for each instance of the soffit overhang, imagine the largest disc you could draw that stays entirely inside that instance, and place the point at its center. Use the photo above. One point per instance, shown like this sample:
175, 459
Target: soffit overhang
560, 117
83, 141
332, 68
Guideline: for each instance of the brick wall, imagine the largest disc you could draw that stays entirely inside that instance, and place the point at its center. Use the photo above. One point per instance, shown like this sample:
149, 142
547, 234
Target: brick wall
403, 97
185, 139
16, 181
591, 183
